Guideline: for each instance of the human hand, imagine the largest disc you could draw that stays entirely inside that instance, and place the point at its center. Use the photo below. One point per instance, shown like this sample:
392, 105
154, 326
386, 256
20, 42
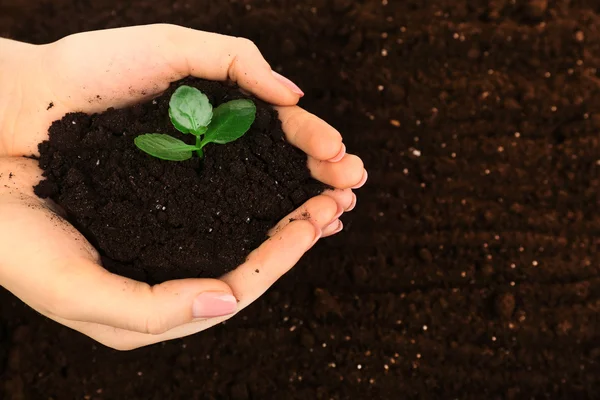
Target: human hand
50, 266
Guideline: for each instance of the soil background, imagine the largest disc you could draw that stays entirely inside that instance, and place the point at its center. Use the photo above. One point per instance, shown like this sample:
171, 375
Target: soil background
470, 268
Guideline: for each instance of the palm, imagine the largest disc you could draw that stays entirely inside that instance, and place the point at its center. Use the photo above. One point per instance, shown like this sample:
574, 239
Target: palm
32, 234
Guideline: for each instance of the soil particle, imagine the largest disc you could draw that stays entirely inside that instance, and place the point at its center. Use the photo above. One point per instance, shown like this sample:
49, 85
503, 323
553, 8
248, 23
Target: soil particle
505, 305
535, 9
325, 304
425, 255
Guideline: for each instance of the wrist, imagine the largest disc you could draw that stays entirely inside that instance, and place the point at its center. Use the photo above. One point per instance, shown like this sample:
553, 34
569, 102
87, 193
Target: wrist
15, 59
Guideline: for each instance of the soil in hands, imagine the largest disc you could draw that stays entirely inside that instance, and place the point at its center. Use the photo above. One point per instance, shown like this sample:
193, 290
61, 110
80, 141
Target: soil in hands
156, 220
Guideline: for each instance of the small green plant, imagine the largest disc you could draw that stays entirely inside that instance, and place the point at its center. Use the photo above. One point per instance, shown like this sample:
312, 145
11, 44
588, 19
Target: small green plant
191, 113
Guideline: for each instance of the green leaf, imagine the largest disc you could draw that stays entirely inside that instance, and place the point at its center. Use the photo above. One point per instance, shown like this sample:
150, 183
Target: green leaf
164, 147
190, 111
230, 121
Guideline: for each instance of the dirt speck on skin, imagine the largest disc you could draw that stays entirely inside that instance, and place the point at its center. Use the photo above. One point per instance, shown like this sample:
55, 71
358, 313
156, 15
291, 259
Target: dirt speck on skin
50, 106
156, 220
95, 99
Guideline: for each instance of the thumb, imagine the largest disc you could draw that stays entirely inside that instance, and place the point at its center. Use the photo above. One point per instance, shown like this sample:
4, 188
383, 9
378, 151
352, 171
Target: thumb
91, 294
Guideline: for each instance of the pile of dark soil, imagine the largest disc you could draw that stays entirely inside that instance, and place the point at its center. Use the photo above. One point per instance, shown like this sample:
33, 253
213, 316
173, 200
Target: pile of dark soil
156, 220
470, 268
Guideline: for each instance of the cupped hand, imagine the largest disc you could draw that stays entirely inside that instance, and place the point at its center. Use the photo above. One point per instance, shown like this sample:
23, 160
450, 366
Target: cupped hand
50, 266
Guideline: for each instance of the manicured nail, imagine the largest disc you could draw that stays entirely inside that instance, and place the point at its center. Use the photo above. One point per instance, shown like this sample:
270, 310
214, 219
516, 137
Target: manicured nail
333, 228
340, 155
289, 84
318, 235
213, 304
362, 181
338, 213
352, 204
339, 229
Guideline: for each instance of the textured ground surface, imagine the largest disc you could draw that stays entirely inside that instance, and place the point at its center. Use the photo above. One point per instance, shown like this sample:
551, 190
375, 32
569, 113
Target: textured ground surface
470, 268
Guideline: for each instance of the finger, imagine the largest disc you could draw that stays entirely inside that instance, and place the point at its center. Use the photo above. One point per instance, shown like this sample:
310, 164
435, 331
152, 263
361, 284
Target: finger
85, 292
347, 173
219, 57
352, 203
115, 338
311, 134
343, 197
319, 210
122, 339
271, 261
333, 228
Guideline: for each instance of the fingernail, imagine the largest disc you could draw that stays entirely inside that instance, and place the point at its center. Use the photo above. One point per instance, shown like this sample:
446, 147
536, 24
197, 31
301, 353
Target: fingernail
362, 181
340, 155
213, 304
338, 213
318, 235
333, 228
352, 204
289, 84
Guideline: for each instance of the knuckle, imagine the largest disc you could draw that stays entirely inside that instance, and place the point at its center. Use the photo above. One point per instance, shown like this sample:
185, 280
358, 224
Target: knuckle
246, 44
151, 322
293, 122
155, 325
56, 301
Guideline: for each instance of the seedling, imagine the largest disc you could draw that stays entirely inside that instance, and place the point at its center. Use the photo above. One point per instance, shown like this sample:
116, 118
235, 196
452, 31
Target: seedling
191, 113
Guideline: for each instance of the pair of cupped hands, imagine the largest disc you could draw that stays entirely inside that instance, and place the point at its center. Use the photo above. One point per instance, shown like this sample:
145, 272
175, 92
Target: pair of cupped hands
49, 265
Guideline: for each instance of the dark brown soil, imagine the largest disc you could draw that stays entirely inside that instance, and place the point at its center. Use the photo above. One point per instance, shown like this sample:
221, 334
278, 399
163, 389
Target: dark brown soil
484, 195
156, 220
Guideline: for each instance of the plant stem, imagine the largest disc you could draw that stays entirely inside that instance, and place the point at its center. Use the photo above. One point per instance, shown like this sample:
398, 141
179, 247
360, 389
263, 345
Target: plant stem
199, 146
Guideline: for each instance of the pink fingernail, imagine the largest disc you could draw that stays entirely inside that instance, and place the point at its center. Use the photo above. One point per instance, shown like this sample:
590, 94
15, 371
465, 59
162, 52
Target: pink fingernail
338, 213
340, 155
333, 228
213, 304
289, 84
318, 235
352, 204
362, 181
